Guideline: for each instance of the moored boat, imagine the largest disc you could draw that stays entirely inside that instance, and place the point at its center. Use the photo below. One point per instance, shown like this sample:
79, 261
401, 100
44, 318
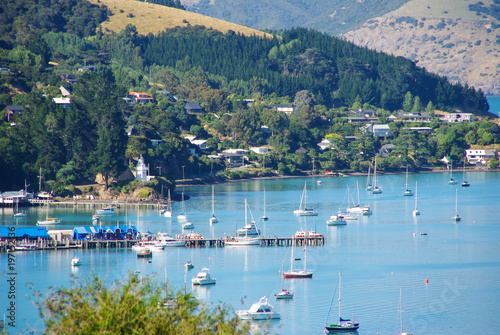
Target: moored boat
303, 210
203, 278
343, 324
261, 310
76, 261
106, 211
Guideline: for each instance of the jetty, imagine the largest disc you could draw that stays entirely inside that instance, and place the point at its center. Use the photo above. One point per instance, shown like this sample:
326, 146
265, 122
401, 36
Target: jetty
49, 244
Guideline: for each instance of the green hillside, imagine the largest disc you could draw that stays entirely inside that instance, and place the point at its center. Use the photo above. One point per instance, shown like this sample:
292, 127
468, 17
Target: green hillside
236, 80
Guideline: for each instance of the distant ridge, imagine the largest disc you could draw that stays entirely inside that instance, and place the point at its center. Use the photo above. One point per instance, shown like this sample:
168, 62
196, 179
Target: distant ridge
152, 18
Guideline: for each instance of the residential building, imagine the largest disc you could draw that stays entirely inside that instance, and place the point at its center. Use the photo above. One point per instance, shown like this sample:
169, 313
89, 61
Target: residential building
65, 102
193, 108
141, 97
285, 108
414, 117
142, 171
202, 144
325, 144
64, 91
261, 150
378, 130
458, 117
12, 111
69, 78
482, 157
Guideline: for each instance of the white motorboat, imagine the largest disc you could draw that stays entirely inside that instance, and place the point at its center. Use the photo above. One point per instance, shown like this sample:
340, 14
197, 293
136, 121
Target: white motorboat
48, 221
168, 241
188, 225
203, 278
303, 210
25, 247
106, 211
188, 265
76, 261
336, 220
148, 245
284, 294
261, 310
242, 241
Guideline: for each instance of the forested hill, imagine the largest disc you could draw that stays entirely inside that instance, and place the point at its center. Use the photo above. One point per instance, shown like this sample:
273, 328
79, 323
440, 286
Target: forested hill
53, 47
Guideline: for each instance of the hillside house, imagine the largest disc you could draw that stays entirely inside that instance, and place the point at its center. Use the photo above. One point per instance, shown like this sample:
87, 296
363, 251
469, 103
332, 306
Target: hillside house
261, 150
414, 117
378, 130
141, 97
458, 117
480, 156
69, 78
64, 91
86, 68
325, 144
64, 102
284, 108
193, 108
11, 111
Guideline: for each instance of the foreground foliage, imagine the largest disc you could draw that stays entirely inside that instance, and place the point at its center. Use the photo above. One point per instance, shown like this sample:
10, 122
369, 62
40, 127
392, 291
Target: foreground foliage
134, 306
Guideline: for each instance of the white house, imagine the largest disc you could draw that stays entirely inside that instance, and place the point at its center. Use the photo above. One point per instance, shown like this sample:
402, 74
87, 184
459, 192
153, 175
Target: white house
65, 102
325, 144
480, 156
458, 117
236, 151
260, 150
202, 144
378, 130
285, 108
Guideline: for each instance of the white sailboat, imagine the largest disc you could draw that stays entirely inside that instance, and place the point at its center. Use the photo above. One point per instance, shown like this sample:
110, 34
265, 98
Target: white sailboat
416, 211
245, 234
376, 189
365, 210
284, 293
264, 217
407, 192
452, 180
303, 210
182, 216
457, 217
168, 211
465, 183
213, 219
401, 313
48, 220
369, 186
19, 214
344, 324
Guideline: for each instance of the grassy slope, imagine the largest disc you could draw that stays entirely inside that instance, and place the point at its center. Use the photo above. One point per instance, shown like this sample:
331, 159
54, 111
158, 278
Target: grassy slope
451, 51
151, 18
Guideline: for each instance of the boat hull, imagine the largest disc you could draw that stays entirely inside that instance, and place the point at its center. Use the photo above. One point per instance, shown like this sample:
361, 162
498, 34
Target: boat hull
335, 327
297, 274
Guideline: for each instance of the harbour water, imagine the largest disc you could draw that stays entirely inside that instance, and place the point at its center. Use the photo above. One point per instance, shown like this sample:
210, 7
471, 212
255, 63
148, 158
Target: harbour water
449, 272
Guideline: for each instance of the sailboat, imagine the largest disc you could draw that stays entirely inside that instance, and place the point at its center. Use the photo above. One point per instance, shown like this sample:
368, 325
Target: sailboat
452, 180
168, 211
369, 186
244, 234
344, 324
401, 312
18, 214
48, 220
407, 192
416, 211
303, 210
465, 183
182, 216
376, 189
457, 217
264, 217
284, 293
213, 219
298, 273
365, 210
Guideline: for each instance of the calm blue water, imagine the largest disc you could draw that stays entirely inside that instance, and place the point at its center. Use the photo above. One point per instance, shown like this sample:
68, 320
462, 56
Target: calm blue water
494, 102
377, 255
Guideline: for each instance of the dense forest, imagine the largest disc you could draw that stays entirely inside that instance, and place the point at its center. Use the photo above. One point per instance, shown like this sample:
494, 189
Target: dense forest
322, 76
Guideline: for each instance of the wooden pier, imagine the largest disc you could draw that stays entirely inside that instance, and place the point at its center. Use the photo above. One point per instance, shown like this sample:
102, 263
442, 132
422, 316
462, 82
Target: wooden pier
190, 243
91, 204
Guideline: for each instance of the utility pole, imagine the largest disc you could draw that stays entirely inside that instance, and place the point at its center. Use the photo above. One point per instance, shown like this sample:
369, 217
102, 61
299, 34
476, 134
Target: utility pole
159, 168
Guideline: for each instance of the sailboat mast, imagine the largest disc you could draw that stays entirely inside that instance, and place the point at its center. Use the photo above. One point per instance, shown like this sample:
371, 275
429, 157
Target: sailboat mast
416, 195
264, 201
340, 288
401, 308
357, 188
213, 208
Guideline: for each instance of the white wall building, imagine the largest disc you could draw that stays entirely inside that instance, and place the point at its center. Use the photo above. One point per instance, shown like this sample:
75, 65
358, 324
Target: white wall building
480, 156
142, 171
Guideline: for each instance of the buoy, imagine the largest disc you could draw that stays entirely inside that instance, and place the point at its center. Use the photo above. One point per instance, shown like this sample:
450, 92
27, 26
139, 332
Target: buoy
426, 281
414, 234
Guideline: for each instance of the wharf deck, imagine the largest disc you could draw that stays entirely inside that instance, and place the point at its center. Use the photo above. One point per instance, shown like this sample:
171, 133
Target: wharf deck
190, 243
